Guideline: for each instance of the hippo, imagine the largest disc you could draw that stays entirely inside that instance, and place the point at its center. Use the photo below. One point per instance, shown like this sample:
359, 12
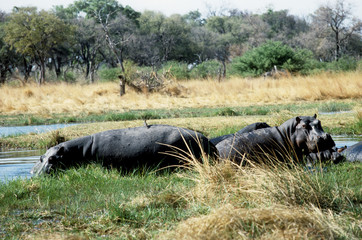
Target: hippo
296, 138
353, 153
249, 128
126, 148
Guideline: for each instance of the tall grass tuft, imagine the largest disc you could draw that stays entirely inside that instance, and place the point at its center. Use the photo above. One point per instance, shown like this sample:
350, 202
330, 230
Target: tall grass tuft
270, 201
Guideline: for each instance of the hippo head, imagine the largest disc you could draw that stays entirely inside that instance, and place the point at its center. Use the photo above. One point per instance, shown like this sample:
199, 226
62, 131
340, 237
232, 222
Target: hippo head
49, 161
309, 135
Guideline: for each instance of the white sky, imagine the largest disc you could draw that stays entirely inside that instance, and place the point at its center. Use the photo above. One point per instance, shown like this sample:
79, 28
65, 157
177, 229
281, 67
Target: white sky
168, 7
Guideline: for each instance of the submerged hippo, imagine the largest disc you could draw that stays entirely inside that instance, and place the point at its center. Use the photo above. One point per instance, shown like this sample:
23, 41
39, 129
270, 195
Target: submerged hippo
249, 128
296, 137
353, 153
125, 148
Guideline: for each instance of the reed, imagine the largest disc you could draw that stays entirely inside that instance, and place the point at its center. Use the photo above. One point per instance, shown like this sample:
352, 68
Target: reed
103, 97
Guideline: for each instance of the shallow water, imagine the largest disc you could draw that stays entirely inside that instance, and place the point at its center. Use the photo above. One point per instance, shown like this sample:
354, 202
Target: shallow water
17, 164
342, 141
19, 130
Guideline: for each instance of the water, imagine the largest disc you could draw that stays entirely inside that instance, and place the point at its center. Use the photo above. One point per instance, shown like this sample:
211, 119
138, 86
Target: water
17, 164
342, 141
333, 113
14, 164
9, 131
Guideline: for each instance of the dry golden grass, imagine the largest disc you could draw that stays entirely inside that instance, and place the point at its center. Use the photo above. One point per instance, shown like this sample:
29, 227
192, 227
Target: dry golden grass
258, 202
103, 97
273, 222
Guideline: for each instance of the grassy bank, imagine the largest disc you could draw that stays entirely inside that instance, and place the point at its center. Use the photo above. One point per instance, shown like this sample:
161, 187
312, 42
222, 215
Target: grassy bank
218, 201
296, 108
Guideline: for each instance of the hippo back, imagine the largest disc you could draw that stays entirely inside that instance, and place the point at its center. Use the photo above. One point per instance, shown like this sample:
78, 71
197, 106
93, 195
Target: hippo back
249, 128
135, 146
255, 145
353, 153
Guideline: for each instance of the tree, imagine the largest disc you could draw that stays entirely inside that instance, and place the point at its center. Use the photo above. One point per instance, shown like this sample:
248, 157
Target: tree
8, 57
283, 26
339, 20
204, 41
223, 40
35, 33
89, 38
115, 24
193, 18
117, 34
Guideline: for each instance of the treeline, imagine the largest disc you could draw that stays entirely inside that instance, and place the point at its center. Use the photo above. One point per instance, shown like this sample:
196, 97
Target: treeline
92, 36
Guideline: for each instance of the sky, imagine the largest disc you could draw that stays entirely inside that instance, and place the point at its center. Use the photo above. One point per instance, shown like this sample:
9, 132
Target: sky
301, 8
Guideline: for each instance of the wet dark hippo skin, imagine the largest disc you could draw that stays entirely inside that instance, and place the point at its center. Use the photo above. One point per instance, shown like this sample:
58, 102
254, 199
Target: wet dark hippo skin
353, 153
124, 148
295, 138
249, 128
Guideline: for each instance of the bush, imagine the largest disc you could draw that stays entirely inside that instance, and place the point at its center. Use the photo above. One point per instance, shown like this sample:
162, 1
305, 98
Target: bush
206, 69
69, 77
343, 64
130, 70
174, 69
111, 74
108, 74
263, 58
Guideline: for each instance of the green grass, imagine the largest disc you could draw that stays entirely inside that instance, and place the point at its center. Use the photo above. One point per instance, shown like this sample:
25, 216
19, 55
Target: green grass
93, 202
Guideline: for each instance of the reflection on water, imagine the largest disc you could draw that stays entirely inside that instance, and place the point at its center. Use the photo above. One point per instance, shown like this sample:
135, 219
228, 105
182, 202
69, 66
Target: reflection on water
342, 141
14, 164
9, 131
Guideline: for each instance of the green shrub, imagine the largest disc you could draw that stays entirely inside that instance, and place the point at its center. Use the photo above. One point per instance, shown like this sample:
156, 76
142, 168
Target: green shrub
174, 69
206, 69
263, 58
343, 64
70, 77
130, 70
108, 74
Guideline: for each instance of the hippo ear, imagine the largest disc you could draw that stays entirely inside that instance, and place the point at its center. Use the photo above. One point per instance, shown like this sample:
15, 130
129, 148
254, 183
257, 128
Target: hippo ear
60, 150
297, 119
315, 115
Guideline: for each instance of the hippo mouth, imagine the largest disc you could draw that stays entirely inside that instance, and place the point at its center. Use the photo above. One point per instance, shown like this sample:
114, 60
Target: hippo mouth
317, 144
41, 167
